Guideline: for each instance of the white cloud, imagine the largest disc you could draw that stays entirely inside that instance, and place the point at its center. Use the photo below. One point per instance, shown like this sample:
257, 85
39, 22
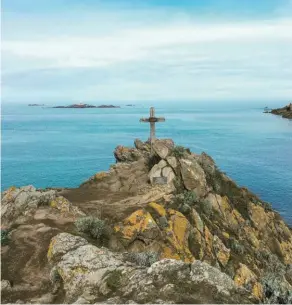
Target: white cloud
177, 59
143, 43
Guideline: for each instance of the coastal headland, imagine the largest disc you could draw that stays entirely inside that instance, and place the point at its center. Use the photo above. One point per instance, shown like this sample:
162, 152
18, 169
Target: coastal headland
162, 225
285, 112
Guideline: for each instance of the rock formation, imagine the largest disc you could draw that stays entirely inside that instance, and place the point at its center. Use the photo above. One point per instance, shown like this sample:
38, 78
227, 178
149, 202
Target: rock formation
285, 112
167, 227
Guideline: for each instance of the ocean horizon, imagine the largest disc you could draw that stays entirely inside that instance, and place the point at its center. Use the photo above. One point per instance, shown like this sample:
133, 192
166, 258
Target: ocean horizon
48, 147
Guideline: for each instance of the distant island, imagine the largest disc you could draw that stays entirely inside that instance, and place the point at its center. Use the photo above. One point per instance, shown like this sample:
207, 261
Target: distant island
87, 106
285, 112
36, 105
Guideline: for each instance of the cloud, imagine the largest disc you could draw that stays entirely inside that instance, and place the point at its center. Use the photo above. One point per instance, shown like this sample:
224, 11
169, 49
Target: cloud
142, 43
171, 58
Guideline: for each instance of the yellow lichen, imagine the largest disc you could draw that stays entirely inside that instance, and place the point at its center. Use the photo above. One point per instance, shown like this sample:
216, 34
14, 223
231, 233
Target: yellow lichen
177, 234
50, 250
226, 235
138, 221
258, 291
167, 252
286, 249
78, 270
53, 204
209, 243
100, 176
158, 208
244, 275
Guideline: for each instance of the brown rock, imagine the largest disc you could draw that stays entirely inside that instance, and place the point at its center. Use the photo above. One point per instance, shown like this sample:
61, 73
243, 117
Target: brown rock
163, 147
193, 177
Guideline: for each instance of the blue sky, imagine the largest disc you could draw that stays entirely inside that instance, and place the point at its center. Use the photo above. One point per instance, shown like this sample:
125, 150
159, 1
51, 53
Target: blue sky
69, 50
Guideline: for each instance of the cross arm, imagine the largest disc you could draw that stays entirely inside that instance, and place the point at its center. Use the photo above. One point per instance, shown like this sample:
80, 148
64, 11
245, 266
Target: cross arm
150, 120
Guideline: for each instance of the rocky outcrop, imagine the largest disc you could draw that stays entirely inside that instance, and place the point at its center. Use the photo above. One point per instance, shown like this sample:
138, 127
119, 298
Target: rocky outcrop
19, 205
94, 275
179, 231
285, 112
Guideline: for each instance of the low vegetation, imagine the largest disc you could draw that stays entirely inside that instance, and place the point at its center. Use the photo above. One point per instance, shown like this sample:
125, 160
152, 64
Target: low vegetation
93, 226
180, 152
184, 201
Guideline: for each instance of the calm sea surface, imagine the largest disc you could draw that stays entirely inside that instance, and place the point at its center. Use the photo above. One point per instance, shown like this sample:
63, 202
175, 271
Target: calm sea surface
63, 147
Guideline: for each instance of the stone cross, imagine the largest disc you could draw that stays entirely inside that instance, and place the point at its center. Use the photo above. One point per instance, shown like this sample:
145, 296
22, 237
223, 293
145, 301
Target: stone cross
152, 120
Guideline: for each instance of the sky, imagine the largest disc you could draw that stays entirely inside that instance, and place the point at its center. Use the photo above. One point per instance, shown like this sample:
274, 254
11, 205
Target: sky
137, 50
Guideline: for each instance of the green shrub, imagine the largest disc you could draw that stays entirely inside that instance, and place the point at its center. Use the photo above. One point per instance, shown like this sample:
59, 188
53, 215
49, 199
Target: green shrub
142, 258
4, 237
93, 226
206, 207
113, 279
179, 151
184, 201
236, 246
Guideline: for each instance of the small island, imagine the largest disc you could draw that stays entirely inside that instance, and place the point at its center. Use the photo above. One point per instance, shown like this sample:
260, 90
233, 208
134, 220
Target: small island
81, 105
285, 112
35, 105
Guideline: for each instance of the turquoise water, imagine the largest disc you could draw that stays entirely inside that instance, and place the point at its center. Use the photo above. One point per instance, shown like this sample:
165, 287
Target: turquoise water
63, 147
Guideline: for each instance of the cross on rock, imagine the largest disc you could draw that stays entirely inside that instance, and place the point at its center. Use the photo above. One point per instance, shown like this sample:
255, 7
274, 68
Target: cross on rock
152, 120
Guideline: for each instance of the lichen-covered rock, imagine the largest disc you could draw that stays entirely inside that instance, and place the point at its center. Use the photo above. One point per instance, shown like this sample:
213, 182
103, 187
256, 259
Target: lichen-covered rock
197, 221
21, 203
177, 234
92, 274
65, 207
63, 243
126, 154
221, 251
246, 278
139, 225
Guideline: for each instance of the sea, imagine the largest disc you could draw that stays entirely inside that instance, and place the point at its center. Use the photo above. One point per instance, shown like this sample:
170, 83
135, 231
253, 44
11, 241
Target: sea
50, 147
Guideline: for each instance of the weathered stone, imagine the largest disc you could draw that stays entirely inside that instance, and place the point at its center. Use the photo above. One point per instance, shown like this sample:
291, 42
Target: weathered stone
140, 225
197, 221
222, 253
196, 244
163, 147
156, 170
172, 161
168, 173
208, 257
63, 243
65, 207
193, 177
93, 274
246, 278
177, 234
126, 154
23, 202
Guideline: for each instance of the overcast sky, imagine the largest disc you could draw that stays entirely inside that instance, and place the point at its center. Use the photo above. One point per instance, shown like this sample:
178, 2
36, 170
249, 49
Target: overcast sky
90, 50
